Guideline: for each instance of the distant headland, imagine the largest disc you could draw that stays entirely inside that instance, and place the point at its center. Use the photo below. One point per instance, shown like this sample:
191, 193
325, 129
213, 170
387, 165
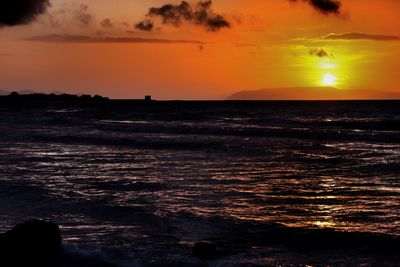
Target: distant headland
31, 96
41, 97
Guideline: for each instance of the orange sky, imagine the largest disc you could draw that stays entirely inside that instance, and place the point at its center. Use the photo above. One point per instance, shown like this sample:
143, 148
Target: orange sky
269, 44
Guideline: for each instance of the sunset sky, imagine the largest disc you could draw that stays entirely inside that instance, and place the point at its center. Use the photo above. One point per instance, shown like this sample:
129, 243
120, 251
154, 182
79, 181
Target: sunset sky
201, 50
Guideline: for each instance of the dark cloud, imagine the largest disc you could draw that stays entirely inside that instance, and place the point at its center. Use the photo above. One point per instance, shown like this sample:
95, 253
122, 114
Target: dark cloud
324, 6
360, 36
146, 25
173, 14
54, 38
18, 12
217, 23
319, 53
200, 14
106, 23
83, 16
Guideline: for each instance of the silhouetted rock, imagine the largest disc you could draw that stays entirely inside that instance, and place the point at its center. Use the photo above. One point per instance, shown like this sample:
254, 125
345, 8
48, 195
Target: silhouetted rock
204, 250
14, 94
86, 97
99, 98
33, 243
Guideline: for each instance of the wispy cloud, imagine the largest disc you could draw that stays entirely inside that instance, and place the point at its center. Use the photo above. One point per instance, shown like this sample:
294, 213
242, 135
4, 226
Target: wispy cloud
107, 23
71, 13
326, 40
359, 36
54, 38
83, 16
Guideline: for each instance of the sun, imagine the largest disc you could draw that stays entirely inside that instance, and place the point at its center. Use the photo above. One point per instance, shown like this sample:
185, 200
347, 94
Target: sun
329, 80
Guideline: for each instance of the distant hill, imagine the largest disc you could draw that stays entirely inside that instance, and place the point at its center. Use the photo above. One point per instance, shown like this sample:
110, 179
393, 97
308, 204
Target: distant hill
38, 97
22, 92
311, 93
31, 92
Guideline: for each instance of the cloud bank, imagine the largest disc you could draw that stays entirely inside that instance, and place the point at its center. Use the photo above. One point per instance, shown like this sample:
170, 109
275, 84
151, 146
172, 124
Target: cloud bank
55, 38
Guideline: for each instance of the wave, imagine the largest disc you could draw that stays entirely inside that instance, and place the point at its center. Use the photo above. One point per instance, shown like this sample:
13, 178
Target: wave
142, 143
314, 130
88, 256
184, 138
237, 241
111, 124
241, 234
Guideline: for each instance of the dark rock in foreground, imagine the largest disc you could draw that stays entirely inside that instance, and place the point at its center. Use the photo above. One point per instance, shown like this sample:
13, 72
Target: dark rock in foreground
33, 243
204, 250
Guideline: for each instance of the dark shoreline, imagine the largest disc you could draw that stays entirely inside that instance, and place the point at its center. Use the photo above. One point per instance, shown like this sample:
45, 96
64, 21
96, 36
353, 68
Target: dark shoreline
40, 243
143, 105
71, 98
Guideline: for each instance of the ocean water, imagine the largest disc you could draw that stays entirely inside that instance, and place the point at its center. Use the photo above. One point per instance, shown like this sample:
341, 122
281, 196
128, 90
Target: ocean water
137, 184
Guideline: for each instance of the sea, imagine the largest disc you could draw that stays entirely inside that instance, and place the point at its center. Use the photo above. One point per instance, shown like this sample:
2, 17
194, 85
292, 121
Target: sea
270, 183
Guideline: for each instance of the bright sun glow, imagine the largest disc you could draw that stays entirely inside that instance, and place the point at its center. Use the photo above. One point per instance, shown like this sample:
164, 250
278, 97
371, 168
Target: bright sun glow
329, 80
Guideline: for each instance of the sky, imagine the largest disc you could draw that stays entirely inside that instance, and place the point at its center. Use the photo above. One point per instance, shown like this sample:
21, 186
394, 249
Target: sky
201, 49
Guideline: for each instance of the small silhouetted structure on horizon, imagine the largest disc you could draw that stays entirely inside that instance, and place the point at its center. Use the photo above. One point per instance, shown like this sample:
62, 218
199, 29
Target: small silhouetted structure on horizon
147, 98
